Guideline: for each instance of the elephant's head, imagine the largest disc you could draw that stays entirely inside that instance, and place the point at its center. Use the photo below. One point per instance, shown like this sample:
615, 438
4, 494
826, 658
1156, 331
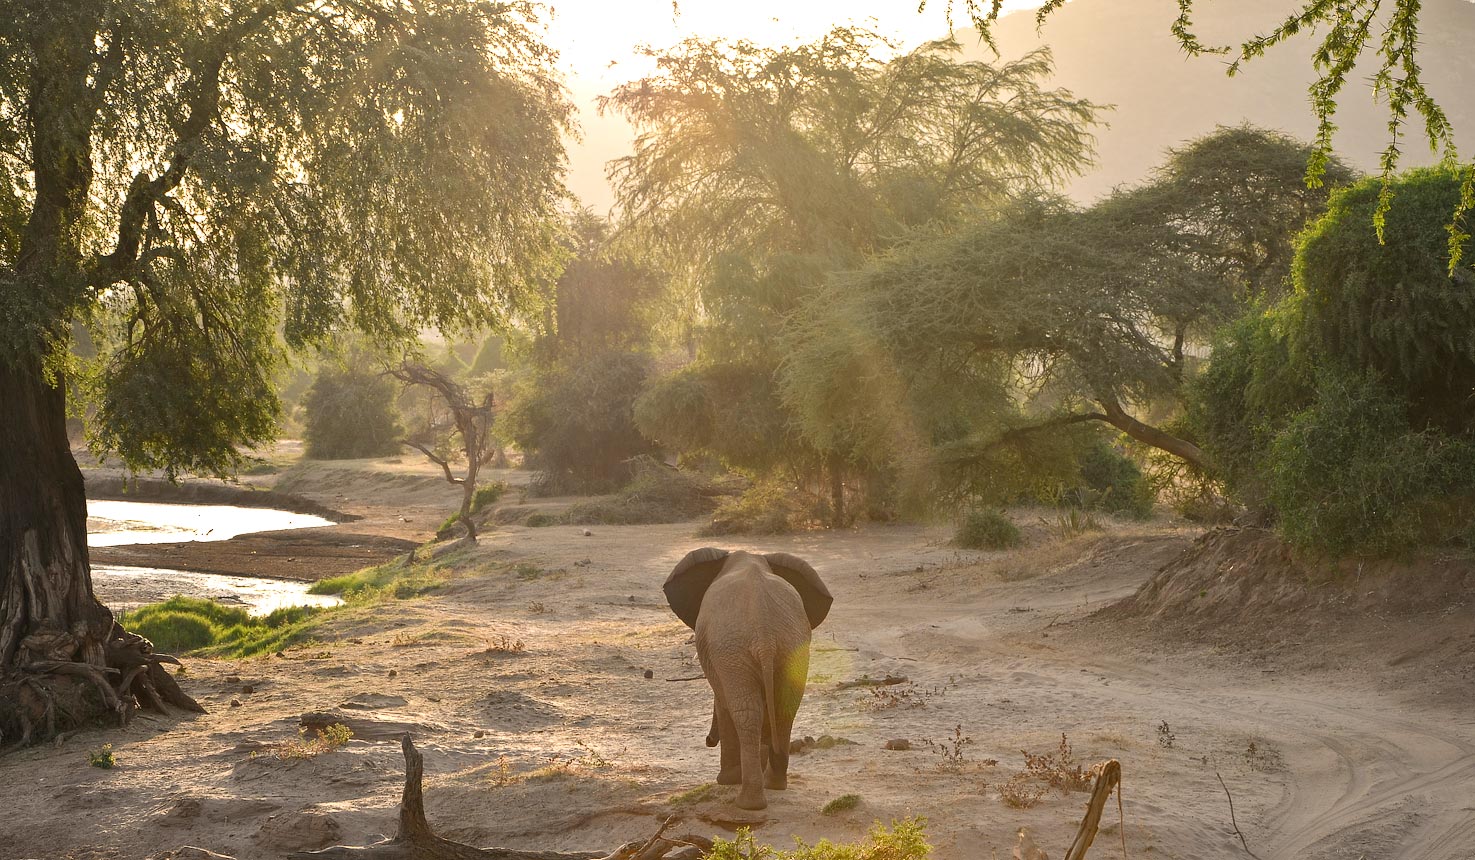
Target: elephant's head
688, 582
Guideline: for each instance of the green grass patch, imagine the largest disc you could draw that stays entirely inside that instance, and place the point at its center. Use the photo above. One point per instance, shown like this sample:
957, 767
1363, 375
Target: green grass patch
694, 795
395, 580
485, 496
182, 624
843, 803
194, 624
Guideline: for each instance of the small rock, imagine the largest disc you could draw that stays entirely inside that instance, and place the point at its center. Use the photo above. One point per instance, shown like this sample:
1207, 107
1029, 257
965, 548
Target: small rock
392, 673
478, 734
649, 674
588, 533
248, 689
281, 653
233, 679
235, 703
897, 744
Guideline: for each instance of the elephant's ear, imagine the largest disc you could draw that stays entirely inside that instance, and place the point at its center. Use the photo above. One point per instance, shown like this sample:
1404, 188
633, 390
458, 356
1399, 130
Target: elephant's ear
797, 572
687, 584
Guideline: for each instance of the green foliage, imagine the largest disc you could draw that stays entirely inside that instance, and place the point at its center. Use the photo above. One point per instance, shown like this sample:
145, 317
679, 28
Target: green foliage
1346, 31
987, 529
760, 172
769, 507
904, 840
1393, 309
195, 624
843, 803
350, 413
575, 421
102, 757
485, 496
221, 178
1344, 409
1116, 483
729, 410
1348, 475
397, 580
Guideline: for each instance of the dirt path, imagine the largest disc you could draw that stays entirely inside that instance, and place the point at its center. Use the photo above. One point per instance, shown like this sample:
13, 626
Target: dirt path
524, 683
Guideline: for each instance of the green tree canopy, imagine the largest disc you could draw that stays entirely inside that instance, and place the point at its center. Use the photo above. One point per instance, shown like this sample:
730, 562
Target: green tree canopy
758, 172
1344, 410
200, 181
967, 343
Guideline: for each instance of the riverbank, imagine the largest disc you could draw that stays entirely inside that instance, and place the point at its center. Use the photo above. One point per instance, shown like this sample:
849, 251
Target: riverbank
381, 509
521, 671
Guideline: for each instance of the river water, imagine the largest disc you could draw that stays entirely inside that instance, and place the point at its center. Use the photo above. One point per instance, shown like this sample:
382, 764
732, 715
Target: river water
116, 523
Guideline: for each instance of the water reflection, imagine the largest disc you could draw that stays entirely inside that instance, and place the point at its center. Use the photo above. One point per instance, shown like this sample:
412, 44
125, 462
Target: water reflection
123, 588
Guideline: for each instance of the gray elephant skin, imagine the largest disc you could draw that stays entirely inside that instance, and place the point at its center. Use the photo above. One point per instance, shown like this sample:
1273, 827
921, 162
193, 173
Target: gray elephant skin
752, 615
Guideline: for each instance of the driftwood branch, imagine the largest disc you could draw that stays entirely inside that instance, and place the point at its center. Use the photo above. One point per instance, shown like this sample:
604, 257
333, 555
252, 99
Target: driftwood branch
416, 841
1109, 779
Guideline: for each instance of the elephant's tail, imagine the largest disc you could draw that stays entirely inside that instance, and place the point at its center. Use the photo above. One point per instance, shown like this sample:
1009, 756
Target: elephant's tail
767, 669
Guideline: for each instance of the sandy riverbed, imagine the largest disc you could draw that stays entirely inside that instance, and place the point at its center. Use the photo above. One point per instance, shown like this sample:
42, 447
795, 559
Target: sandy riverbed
1325, 757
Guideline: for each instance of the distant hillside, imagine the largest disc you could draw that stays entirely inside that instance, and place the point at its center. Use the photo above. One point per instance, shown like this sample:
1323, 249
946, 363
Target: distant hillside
1121, 52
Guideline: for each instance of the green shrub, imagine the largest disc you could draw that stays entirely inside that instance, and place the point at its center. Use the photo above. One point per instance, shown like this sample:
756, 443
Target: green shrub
843, 803
350, 413
102, 757
766, 508
986, 529
396, 579
904, 840
1348, 475
1116, 483
574, 421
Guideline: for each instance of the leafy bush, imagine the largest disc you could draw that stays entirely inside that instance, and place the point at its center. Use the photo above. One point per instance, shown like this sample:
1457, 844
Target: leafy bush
575, 421
986, 529
767, 508
904, 840
484, 496
350, 413
1348, 475
1116, 483
397, 579
1344, 410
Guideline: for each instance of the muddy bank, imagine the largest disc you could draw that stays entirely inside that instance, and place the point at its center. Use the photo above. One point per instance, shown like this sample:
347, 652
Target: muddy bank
303, 554
126, 489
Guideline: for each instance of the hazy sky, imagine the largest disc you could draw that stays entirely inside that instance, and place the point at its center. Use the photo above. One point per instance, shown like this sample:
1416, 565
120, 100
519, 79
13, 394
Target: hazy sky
597, 42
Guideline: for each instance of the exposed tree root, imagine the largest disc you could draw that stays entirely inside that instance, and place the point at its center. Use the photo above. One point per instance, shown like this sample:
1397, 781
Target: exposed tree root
415, 841
54, 689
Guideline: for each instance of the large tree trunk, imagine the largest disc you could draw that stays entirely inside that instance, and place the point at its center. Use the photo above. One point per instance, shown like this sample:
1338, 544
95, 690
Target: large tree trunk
64, 663
45, 589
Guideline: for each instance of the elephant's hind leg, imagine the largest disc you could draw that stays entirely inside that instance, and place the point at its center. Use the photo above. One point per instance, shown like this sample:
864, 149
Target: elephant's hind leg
731, 772
748, 722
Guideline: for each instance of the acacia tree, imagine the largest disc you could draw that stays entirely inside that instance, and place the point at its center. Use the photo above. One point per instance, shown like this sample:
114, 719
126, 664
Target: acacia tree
758, 171
468, 426
945, 347
188, 179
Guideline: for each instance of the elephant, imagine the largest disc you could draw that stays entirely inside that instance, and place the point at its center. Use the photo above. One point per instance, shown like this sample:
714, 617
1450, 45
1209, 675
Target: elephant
752, 615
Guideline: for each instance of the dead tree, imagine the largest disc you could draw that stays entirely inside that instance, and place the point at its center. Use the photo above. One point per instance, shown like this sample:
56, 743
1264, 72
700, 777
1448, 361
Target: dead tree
470, 420
415, 841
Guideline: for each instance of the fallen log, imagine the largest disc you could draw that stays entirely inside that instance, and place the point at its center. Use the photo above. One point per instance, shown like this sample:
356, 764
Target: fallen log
416, 841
